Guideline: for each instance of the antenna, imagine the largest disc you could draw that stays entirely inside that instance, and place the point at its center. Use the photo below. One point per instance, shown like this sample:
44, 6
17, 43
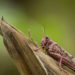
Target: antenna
43, 26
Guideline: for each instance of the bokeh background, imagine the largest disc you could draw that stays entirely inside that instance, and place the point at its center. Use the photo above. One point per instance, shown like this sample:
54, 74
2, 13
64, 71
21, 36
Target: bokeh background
57, 16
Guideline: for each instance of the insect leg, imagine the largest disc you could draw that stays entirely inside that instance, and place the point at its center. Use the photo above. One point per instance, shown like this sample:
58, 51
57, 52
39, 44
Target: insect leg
38, 48
53, 43
60, 63
58, 57
52, 50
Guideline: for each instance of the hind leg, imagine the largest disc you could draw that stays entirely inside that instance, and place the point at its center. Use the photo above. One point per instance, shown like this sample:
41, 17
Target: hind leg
58, 57
60, 63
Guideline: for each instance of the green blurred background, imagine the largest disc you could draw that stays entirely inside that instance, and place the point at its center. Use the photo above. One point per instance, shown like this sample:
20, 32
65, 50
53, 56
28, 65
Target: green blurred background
57, 16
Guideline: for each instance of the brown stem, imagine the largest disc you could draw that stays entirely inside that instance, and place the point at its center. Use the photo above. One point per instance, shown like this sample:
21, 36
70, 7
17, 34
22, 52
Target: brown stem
22, 51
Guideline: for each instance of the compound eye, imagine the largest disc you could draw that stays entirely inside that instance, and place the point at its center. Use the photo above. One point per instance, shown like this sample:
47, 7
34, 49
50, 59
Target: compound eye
46, 37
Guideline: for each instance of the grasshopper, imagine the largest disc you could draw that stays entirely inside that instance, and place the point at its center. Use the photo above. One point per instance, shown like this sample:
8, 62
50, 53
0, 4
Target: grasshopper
58, 53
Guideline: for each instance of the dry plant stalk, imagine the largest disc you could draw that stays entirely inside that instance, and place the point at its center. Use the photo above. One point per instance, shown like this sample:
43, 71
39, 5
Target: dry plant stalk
22, 51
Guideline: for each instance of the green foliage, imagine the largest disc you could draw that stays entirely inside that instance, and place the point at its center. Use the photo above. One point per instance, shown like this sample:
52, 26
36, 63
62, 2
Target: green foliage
58, 19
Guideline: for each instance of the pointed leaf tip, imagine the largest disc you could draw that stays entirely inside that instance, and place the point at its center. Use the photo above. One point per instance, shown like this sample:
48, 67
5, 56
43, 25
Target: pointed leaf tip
2, 18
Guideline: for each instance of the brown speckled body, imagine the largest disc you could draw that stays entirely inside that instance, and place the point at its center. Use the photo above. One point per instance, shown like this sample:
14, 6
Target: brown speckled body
54, 50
